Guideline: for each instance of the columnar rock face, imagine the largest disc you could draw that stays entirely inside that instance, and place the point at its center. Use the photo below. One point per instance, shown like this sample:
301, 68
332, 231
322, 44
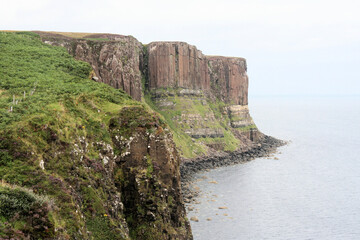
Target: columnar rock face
177, 64
115, 59
229, 80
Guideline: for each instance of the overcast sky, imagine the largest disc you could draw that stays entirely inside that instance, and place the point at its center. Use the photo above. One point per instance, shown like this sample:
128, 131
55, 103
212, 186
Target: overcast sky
303, 47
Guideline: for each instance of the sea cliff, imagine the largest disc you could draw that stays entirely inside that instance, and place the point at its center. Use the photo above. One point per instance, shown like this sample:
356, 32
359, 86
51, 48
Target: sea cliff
95, 128
80, 159
204, 99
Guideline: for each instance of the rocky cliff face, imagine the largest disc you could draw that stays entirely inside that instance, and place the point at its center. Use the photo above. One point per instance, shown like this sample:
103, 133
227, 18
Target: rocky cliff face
211, 92
177, 65
80, 159
148, 176
180, 65
204, 96
203, 99
115, 59
228, 78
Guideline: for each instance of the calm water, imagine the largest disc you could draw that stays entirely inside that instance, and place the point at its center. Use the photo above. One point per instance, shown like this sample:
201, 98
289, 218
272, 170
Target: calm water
311, 192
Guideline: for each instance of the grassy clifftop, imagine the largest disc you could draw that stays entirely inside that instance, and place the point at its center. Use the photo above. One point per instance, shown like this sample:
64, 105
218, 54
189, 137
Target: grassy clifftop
60, 170
48, 103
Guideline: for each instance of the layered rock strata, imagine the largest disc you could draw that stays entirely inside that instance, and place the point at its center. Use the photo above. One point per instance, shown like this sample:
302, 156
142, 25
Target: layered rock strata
182, 72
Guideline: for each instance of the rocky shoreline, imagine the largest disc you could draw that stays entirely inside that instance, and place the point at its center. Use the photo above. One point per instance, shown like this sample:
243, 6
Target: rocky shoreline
189, 168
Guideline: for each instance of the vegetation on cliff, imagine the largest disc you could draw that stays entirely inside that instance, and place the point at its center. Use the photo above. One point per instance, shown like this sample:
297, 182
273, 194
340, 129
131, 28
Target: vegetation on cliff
194, 93
85, 160
184, 114
197, 94
63, 168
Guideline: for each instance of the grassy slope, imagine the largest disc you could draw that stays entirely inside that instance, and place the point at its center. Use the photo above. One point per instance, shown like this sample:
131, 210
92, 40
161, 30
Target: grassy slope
188, 147
54, 105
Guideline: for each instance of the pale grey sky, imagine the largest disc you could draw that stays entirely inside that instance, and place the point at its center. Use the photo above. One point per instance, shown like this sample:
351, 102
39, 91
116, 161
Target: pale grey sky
306, 47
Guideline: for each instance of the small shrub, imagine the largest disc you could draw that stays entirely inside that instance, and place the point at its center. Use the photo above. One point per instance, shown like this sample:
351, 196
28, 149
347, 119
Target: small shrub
14, 201
22, 212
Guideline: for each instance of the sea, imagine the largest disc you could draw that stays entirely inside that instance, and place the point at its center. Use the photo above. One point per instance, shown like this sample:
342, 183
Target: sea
308, 189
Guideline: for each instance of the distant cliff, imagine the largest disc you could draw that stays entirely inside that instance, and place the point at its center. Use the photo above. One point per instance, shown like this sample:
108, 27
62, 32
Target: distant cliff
203, 98
180, 65
115, 59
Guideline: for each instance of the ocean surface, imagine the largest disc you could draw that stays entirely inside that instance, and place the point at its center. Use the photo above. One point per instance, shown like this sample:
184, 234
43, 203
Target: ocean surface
311, 192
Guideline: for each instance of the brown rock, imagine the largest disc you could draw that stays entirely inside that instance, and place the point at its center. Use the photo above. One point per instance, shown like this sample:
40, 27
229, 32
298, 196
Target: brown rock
177, 64
223, 208
214, 182
150, 166
115, 62
229, 80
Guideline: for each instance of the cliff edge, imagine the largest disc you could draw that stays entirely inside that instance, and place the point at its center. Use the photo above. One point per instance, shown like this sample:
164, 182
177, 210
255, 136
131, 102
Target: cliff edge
80, 159
204, 99
95, 127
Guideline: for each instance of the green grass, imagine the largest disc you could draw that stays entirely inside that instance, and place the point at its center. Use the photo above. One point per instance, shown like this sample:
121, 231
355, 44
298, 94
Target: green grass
16, 200
26, 64
51, 113
184, 143
51, 89
247, 128
47, 105
97, 39
21, 210
188, 147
